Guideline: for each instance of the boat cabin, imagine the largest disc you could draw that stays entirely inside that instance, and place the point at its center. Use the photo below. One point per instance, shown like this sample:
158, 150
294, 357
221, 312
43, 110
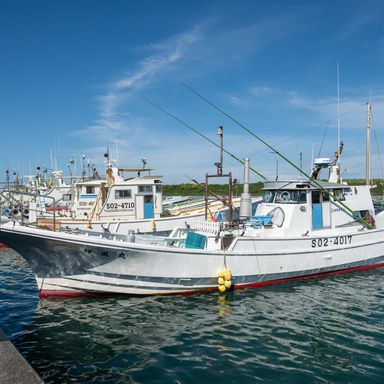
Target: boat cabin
118, 198
298, 207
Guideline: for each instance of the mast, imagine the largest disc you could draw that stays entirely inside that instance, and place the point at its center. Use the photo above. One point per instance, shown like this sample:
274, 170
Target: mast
338, 113
368, 147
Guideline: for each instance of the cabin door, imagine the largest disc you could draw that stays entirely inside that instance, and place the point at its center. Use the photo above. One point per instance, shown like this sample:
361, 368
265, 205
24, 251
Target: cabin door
326, 210
317, 210
148, 207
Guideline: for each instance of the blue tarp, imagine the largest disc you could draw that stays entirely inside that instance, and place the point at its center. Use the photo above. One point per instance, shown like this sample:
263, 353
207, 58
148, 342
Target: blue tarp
195, 240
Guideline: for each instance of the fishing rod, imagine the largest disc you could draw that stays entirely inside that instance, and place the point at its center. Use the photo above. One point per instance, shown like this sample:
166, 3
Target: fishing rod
202, 135
314, 181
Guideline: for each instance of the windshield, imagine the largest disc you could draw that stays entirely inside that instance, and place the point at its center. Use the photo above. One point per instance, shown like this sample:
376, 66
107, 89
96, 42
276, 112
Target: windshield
291, 197
269, 196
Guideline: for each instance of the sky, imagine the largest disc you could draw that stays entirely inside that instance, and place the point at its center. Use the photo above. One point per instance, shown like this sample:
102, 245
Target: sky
76, 77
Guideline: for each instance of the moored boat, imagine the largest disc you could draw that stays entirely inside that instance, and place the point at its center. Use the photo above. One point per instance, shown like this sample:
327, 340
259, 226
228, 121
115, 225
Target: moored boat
302, 229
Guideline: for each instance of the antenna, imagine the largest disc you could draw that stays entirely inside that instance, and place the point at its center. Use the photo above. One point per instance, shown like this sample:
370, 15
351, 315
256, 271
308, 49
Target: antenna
301, 163
50, 151
83, 168
117, 155
338, 112
313, 154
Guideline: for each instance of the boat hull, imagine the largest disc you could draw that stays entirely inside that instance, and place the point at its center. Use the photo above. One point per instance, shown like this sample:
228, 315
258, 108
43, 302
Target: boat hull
68, 265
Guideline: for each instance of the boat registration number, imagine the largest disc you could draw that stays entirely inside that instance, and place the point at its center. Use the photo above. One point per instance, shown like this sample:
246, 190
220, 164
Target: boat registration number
120, 206
325, 242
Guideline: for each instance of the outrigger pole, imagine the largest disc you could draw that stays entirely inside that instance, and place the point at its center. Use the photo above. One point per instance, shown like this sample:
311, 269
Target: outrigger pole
314, 181
202, 135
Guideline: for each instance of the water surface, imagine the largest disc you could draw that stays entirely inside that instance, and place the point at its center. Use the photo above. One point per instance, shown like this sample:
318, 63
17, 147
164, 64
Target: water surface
328, 330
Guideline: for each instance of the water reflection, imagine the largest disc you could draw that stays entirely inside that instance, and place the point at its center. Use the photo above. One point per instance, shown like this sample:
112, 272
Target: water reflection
328, 330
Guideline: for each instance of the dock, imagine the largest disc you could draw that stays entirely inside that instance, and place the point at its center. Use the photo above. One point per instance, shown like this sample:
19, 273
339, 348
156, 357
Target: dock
14, 369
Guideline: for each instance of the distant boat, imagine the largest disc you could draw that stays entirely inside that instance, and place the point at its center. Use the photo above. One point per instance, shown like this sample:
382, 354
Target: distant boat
117, 204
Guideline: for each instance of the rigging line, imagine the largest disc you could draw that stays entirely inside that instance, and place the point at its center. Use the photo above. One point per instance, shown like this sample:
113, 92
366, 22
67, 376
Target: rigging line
314, 181
311, 129
291, 138
322, 142
199, 133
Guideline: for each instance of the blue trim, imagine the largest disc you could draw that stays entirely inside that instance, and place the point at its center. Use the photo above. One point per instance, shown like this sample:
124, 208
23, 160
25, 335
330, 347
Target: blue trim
88, 195
148, 211
317, 216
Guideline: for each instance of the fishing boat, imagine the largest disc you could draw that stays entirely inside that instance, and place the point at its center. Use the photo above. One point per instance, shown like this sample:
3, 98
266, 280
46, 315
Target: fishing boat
302, 229
128, 199
38, 195
120, 204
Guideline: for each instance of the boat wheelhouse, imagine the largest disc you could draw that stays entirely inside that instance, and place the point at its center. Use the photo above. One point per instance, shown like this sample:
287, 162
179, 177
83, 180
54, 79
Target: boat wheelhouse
296, 207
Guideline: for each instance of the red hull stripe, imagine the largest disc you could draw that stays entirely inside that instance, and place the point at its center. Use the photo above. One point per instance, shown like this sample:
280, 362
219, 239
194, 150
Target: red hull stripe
313, 276
3, 246
58, 293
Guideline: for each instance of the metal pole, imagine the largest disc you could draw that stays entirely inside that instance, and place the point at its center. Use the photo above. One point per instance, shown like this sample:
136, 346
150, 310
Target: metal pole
230, 208
206, 196
220, 133
368, 147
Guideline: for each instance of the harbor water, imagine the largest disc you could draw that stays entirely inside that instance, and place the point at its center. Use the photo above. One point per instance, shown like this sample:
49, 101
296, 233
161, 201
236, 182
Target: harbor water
328, 330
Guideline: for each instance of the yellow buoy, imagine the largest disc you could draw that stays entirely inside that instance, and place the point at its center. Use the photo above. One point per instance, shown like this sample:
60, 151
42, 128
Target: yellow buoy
221, 273
227, 274
222, 288
221, 280
88, 226
227, 284
153, 225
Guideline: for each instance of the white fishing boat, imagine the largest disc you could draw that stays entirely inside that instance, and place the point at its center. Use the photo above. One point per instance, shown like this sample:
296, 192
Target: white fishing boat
38, 194
302, 229
120, 204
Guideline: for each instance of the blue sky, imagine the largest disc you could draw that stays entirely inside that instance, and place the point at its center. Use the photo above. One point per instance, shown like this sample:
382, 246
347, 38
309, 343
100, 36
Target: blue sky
73, 75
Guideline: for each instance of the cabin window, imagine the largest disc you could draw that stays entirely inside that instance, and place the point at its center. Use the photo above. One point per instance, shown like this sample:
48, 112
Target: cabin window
291, 197
269, 196
363, 214
159, 188
339, 194
316, 197
145, 188
89, 189
67, 197
325, 196
148, 199
123, 194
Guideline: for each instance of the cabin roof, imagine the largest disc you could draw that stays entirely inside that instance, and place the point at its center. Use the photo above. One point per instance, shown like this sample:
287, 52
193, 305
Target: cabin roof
136, 169
301, 185
91, 183
144, 180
